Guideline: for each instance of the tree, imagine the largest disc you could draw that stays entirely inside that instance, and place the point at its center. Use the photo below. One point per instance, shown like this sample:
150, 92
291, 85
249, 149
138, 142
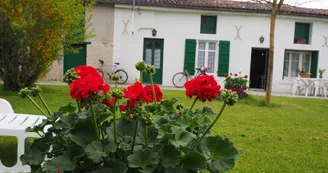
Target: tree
34, 33
274, 7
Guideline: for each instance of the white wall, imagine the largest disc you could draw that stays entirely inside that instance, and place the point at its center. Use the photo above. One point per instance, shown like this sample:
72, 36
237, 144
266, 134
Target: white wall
176, 26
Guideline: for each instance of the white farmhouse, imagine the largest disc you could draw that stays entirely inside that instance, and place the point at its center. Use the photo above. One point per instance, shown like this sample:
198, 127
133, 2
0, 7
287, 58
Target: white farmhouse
225, 36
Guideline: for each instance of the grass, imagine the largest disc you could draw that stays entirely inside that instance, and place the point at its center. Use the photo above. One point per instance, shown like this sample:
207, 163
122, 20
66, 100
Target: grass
288, 136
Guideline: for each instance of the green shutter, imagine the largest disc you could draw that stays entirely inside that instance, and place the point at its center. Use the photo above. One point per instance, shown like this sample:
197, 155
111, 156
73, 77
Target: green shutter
314, 64
190, 55
208, 24
224, 55
302, 31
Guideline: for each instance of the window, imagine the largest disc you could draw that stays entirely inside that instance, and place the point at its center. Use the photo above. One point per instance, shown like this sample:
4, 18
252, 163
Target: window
208, 25
296, 60
206, 55
302, 33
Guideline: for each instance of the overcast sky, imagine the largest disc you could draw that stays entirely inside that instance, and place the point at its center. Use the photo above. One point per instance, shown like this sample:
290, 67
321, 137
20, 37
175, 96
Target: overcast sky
323, 4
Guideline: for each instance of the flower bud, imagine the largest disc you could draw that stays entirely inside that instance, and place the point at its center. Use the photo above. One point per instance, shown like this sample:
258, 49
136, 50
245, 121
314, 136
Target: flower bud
179, 106
130, 116
150, 70
179, 113
117, 93
229, 97
35, 91
24, 92
70, 76
115, 77
141, 66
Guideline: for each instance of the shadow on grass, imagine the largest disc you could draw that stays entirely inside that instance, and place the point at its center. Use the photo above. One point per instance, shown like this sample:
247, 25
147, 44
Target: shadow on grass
250, 100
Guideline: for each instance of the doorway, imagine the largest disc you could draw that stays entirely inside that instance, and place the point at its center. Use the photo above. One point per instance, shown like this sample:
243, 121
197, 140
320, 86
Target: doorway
153, 55
259, 64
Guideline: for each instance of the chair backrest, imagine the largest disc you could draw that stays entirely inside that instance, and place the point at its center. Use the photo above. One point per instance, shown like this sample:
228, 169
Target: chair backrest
303, 82
296, 81
5, 107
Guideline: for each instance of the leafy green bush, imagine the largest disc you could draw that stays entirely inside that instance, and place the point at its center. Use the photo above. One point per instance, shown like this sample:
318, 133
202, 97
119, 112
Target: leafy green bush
130, 130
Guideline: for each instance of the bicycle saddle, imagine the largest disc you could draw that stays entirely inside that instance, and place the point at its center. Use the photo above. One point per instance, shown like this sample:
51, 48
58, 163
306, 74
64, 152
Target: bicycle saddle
198, 69
101, 62
116, 63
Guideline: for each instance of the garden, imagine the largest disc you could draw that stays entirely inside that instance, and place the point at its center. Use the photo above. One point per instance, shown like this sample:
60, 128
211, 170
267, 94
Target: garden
284, 136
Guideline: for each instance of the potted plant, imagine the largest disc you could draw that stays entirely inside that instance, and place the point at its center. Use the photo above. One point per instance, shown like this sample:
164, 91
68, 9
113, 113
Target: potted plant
301, 41
303, 74
130, 130
321, 71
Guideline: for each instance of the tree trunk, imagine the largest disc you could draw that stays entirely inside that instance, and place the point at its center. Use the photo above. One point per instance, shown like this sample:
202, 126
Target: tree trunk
271, 52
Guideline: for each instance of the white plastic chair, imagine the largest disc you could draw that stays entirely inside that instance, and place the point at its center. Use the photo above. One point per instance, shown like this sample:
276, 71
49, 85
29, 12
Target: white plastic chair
12, 124
319, 85
305, 85
296, 86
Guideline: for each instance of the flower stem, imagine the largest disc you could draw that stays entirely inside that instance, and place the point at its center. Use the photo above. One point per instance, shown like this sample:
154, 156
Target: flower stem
209, 128
78, 105
114, 122
115, 84
44, 103
141, 76
94, 119
134, 135
146, 135
153, 88
193, 104
36, 105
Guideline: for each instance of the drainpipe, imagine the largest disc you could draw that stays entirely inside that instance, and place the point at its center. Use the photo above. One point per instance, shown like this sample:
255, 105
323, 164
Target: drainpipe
132, 17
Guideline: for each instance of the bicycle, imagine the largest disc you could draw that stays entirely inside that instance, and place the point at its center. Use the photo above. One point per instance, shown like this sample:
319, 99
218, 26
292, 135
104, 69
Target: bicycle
121, 73
180, 78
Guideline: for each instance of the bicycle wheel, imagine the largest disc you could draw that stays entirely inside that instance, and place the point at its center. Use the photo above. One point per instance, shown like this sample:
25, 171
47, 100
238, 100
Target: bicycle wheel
179, 79
123, 76
101, 73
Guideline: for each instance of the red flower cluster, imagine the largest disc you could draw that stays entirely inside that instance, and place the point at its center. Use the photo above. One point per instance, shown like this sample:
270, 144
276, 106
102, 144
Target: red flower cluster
89, 82
246, 76
236, 89
236, 74
204, 87
109, 103
137, 92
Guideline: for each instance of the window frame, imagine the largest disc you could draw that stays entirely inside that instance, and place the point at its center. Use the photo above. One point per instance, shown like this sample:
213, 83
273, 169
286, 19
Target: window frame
216, 51
308, 41
300, 61
202, 24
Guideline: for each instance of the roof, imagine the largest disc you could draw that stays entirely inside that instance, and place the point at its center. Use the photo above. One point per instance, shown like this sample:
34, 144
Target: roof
224, 5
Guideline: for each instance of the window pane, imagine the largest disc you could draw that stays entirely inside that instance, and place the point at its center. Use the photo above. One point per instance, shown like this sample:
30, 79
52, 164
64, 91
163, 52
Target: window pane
157, 58
211, 62
306, 62
295, 56
286, 64
294, 66
148, 57
201, 59
208, 24
201, 45
211, 46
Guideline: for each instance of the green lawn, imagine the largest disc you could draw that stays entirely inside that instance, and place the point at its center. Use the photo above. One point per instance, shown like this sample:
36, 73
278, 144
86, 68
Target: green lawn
289, 136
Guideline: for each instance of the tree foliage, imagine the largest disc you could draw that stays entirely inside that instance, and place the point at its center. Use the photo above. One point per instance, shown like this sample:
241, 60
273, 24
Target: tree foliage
35, 33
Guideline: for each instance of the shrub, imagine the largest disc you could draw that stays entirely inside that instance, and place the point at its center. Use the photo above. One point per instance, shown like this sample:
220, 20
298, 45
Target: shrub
130, 130
236, 83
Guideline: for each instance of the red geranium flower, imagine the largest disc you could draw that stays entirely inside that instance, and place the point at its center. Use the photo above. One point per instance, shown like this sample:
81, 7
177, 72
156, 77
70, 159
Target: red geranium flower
83, 87
133, 92
204, 87
230, 74
225, 75
106, 88
109, 103
85, 70
123, 108
59, 170
180, 113
236, 74
246, 76
130, 116
148, 94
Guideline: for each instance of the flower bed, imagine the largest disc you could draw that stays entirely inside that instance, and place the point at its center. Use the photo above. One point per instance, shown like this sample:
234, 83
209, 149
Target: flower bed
130, 130
237, 84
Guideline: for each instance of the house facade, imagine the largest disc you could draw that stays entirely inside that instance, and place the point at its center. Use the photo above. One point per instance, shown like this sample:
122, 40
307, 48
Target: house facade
230, 37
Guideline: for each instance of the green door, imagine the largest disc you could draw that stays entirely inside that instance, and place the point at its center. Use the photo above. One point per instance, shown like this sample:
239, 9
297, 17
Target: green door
74, 60
153, 55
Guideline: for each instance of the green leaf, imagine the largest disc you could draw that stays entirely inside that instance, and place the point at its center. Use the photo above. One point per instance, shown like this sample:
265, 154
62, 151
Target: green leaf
83, 134
182, 137
125, 143
103, 170
208, 111
168, 105
66, 122
194, 161
95, 151
110, 147
62, 162
143, 158
33, 157
75, 151
223, 153
68, 108
119, 168
170, 156
83, 115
